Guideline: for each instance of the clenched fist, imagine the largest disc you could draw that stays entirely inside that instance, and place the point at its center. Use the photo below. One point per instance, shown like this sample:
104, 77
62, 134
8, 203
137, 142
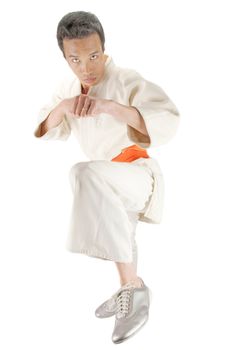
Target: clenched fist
85, 106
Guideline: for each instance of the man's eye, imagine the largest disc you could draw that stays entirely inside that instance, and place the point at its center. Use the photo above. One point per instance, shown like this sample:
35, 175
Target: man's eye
93, 57
75, 60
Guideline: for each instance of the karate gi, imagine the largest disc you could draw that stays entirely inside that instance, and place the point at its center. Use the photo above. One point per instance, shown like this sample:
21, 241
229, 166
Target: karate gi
110, 197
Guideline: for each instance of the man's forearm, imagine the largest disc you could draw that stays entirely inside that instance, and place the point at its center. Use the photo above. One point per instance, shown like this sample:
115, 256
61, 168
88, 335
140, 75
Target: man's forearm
130, 115
54, 118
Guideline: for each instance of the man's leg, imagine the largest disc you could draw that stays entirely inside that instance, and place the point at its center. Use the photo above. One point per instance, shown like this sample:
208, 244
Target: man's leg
107, 195
128, 273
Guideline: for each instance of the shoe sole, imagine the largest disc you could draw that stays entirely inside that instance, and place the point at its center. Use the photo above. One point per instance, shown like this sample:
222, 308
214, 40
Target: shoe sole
105, 316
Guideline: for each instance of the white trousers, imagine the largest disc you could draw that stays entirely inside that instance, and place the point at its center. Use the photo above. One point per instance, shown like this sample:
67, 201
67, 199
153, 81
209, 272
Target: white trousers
107, 197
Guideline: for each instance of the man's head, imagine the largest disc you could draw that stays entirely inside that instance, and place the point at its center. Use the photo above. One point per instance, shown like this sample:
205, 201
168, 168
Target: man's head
81, 39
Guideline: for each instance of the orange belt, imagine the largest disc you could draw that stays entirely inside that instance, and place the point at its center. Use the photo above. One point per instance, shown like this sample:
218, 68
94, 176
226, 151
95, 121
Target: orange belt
131, 153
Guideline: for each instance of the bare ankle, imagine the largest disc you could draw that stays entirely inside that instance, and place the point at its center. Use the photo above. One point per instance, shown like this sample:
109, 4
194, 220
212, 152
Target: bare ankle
137, 282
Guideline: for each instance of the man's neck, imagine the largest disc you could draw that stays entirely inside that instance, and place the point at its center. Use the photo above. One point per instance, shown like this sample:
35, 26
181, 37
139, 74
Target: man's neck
84, 90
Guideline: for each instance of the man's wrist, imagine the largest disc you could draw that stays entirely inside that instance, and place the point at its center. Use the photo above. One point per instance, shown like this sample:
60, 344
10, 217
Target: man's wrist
110, 107
61, 107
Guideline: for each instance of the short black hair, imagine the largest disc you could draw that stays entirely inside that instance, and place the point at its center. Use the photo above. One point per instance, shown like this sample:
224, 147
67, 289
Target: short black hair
77, 25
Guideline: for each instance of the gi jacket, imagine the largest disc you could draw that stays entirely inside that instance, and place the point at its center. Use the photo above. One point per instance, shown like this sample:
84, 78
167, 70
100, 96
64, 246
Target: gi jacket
103, 136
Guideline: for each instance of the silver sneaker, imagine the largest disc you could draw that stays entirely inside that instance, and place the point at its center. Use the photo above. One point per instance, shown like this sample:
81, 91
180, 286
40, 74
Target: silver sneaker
132, 312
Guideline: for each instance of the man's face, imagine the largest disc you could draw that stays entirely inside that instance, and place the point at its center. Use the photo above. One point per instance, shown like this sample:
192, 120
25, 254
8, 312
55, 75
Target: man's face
86, 58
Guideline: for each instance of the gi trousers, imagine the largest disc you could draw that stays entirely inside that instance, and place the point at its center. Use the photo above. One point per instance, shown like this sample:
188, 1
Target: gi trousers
107, 198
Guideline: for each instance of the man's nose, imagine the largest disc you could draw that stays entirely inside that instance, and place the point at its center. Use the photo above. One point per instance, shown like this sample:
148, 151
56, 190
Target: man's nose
85, 68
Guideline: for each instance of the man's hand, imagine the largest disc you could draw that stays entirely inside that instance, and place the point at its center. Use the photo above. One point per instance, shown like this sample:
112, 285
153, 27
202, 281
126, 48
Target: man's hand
88, 106
85, 106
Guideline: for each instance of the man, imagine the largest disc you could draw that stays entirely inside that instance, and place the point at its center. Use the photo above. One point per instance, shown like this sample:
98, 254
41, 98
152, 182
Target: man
116, 115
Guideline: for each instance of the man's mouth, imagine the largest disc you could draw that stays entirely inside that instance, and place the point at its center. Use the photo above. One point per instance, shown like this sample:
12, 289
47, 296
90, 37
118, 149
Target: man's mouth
89, 80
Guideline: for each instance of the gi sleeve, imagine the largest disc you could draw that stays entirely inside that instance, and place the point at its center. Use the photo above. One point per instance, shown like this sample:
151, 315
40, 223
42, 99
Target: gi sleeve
160, 115
61, 131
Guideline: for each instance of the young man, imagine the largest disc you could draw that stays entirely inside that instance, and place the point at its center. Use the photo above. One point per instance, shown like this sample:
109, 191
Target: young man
116, 115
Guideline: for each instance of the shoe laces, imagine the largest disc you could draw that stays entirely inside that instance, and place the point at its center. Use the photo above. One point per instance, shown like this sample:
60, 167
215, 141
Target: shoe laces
123, 301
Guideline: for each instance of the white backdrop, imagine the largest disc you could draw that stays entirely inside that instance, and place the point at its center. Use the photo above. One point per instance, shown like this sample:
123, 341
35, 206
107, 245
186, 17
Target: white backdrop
48, 295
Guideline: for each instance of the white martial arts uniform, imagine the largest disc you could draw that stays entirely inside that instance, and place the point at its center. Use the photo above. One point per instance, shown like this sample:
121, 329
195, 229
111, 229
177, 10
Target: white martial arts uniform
109, 197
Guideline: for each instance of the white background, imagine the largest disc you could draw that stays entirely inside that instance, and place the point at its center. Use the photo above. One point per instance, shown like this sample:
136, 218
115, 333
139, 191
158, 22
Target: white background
49, 295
